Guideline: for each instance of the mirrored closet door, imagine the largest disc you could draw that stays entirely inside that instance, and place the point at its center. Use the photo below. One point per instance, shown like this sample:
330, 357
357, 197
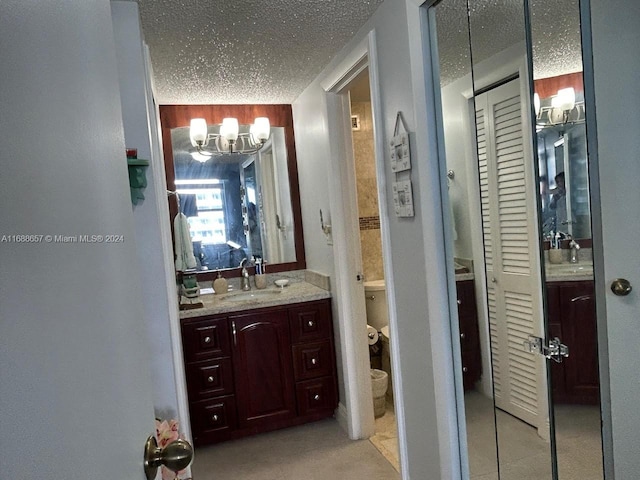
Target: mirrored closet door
513, 134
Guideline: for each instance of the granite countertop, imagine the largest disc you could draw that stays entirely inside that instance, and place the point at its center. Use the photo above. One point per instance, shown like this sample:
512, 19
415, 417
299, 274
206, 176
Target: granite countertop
568, 272
298, 290
460, 277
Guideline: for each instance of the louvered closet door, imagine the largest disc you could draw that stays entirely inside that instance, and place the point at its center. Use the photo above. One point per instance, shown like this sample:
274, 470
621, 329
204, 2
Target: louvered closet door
510, 246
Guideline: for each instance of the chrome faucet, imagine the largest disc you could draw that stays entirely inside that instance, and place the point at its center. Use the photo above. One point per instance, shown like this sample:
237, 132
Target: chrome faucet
244, 279
573, 245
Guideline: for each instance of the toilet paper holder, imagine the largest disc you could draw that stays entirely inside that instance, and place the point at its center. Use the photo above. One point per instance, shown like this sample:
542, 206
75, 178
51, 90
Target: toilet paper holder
372, 335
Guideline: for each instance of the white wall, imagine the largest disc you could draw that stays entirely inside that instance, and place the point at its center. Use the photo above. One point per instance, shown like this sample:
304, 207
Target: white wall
417, 260
71, 333
455, 107
151, 215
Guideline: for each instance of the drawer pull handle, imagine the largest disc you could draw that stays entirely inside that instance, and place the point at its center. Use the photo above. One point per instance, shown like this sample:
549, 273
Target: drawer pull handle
314, 361
210, 379
310, 323
465, 369
316, 397
207, 339
462, 336
214, 418
235, 336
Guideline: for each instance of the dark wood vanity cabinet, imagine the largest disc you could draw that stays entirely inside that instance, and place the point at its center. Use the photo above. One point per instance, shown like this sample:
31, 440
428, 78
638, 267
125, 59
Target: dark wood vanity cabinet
469, 334
572, 318
259, 370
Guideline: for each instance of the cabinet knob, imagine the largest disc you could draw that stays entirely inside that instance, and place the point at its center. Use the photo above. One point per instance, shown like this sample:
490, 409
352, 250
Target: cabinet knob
465, 369
310, 323
214, 418
316, 397
462, 336
314, 361
207, 339
459, 302
210, 379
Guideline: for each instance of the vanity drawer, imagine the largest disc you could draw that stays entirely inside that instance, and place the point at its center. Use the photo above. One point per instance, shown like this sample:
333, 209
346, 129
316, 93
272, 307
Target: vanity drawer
212, 420
315, 396
206, 339
312, 360
466, 298
210, 379
310, 322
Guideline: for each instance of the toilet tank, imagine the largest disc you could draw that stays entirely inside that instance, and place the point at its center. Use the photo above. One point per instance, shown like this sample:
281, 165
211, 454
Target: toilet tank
376, 301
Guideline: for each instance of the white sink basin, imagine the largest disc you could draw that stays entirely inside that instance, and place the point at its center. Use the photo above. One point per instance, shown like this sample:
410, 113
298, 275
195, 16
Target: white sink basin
251, 295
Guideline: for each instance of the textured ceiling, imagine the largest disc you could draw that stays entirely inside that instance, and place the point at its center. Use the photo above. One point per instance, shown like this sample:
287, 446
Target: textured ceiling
495, 25
268, 51
245, 51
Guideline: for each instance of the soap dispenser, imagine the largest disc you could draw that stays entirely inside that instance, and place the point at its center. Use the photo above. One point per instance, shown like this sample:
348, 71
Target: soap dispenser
220, 284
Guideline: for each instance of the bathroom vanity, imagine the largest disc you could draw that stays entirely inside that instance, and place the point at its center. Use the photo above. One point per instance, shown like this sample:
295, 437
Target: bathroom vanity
258, 361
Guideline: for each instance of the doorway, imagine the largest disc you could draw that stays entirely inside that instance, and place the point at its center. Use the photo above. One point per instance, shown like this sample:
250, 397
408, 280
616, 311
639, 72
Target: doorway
510, 214
353, 104
385, 437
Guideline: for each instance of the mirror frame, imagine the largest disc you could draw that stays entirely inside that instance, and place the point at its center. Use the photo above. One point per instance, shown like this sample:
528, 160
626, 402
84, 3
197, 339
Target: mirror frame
174, 116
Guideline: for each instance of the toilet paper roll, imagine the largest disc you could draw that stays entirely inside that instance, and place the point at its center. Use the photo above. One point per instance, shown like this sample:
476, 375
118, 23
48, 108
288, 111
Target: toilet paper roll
372, 335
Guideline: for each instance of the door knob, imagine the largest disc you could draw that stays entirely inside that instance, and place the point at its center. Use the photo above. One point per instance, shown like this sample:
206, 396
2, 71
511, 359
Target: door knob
176, 456
621, 287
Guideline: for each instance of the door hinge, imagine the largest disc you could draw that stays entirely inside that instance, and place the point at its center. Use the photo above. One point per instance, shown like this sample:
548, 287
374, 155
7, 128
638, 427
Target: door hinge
555, 351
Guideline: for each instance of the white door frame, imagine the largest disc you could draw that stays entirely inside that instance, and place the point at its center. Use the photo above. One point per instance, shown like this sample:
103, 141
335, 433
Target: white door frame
348, 257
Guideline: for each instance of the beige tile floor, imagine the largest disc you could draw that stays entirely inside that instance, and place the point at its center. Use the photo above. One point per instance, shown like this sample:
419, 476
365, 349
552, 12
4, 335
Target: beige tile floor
316, 451
526, 456
386, 436
322, 450
523, 454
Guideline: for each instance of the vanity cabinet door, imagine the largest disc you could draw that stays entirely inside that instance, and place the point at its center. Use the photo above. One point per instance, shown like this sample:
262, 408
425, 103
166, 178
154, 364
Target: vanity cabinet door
469, 335
572, 319
263, 369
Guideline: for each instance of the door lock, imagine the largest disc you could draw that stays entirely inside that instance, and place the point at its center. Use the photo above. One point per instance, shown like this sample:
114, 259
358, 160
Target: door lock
555, 351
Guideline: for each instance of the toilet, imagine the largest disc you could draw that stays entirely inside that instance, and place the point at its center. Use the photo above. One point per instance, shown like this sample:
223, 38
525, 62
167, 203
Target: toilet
378, 318
376, 302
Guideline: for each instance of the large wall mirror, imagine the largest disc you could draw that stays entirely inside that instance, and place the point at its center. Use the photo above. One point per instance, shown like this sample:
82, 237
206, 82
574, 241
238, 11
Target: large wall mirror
238, 204
513, 135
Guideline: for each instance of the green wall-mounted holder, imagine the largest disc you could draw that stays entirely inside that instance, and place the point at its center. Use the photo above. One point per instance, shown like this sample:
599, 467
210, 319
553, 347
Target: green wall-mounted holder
137, 178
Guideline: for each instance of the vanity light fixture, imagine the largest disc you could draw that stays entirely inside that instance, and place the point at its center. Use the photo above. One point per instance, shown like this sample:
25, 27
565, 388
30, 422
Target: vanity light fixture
560, 109
229, 139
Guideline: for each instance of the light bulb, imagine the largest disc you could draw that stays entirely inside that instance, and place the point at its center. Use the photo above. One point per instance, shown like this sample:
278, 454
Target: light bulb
261, 129
198, 131
565, 99
536, 103
229, 129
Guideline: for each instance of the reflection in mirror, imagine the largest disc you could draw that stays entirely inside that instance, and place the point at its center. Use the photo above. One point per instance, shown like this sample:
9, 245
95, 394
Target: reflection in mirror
565, 208
451, 35
238, 205
510, 237
562, 157
516, 181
